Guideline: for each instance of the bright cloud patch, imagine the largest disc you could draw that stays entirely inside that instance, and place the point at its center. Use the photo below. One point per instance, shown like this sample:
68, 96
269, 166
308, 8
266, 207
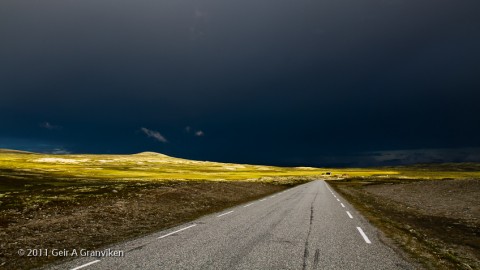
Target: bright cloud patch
154, 134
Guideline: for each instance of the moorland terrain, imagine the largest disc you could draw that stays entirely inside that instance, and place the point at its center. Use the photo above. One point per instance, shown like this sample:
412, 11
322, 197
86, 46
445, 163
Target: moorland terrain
432, 212
91, 201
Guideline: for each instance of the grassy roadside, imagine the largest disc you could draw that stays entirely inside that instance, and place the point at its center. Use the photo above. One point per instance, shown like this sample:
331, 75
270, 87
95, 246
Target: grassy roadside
435, 241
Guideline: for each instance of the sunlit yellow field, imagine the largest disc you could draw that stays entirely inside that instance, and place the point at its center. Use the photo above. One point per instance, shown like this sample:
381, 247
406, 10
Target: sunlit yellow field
150, 166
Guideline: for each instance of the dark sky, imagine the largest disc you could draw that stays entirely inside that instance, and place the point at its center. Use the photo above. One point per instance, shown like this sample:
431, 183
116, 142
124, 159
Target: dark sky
286, 82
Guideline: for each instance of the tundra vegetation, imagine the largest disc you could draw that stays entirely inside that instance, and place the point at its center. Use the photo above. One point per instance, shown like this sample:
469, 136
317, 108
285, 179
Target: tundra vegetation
90, 201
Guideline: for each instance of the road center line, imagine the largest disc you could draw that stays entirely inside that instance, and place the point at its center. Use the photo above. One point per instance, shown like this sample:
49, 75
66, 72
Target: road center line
350, 215
364, 235
225, 214
168, 234
248, 205
85, 265
338, 200
343, 205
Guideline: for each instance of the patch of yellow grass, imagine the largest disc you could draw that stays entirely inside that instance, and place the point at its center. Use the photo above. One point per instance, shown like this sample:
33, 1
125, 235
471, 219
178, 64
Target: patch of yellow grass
152, 166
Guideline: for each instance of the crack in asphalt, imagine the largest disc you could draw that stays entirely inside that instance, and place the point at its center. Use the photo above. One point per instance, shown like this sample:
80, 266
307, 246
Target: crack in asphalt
306, 251
316, 258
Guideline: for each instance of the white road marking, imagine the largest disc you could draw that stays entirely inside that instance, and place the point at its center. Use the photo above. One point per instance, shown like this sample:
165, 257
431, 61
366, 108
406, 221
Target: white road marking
168, 234
338, 200
262, 200
350, 215
343, 205
364, 235
248, 205
225, 214
85, 265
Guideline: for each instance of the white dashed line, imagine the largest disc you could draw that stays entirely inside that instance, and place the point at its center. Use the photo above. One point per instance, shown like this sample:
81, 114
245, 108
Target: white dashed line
349, 215
85, 265
225, 214
338, 200
168, 234
262, 200
248, 205
343, 205
364, 235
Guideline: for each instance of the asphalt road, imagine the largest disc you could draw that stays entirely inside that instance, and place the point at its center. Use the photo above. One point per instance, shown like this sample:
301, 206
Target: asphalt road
306, 227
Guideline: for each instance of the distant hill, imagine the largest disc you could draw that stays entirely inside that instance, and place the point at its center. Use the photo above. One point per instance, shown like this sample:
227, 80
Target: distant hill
146, 154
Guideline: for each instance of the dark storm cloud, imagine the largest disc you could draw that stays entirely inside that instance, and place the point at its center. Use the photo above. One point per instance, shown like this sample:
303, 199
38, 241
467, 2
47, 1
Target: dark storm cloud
424, 156
398, 157
269, 80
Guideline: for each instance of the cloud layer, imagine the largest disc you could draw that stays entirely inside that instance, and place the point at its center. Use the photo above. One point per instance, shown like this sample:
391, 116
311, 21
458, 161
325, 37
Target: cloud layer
398, 157
339, 79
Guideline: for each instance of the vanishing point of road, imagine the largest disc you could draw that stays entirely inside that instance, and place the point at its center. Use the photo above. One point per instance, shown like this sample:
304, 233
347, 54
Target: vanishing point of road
306, 227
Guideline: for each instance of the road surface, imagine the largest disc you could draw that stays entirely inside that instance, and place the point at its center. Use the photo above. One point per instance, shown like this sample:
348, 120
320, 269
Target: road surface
306, 227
